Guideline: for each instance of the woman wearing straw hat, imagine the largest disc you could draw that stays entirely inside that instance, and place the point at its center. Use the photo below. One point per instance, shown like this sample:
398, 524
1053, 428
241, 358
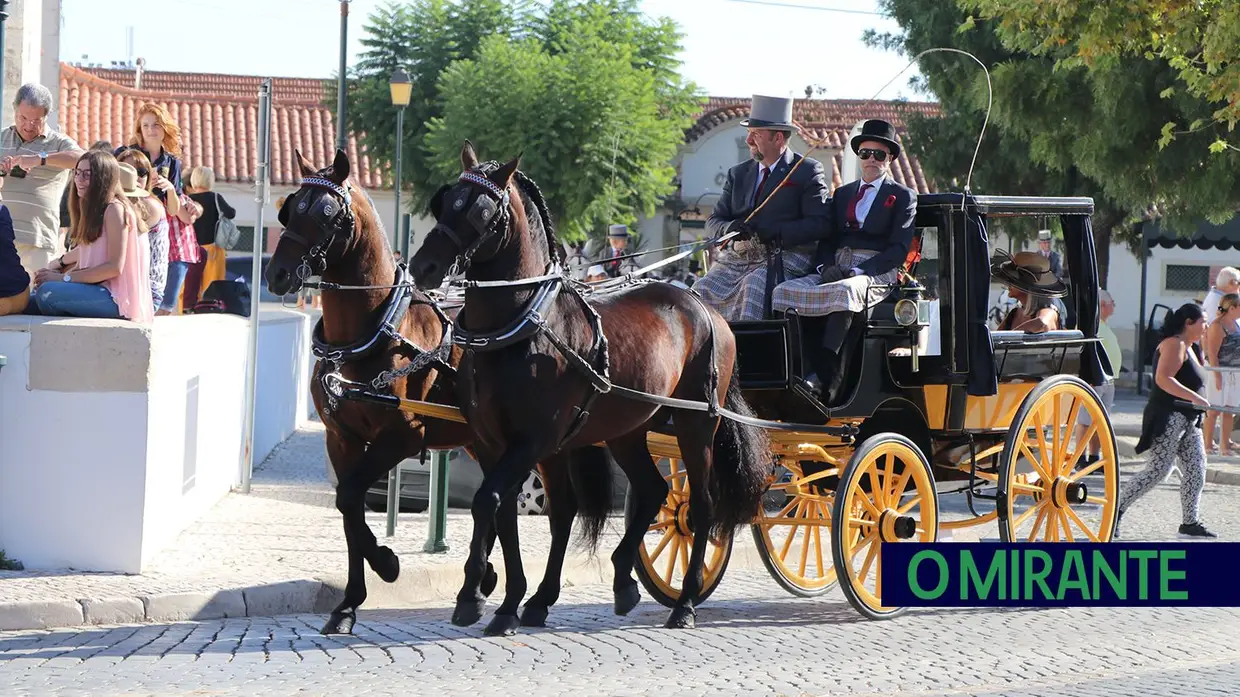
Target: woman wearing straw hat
1032, 284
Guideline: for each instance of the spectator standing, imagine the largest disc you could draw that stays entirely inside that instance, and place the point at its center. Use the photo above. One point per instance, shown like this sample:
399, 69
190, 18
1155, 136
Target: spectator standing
106, 274
154, 217
1106, 391
36, 162
14, 279
159, 138
214, 206
1227, 281
1222, 348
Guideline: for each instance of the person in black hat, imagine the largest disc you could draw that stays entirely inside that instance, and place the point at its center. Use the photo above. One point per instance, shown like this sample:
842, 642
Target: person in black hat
794, 218
617, 246
870, 228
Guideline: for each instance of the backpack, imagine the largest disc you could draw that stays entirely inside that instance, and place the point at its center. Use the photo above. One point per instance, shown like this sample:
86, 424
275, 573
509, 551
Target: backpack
227, 234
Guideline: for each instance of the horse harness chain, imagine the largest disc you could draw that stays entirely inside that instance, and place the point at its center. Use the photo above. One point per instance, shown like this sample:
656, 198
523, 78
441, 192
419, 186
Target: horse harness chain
332, 216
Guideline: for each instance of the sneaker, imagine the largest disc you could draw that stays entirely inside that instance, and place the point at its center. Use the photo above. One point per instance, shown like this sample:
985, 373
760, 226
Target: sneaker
1195, 530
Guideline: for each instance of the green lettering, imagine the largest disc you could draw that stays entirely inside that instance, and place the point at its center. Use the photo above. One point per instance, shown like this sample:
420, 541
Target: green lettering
1119, 584
915, 586
1143, 571
1166, 575
1015, 593
1039, 576
1073, 564
972, 579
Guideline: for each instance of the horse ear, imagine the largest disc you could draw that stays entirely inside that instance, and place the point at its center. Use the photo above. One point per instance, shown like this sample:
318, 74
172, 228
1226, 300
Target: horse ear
503, 175
340, 167
436, 204
469, 158
307, 169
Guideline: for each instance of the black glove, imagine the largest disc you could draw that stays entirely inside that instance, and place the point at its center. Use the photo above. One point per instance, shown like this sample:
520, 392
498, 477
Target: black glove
767, 236
830, 274
744, 230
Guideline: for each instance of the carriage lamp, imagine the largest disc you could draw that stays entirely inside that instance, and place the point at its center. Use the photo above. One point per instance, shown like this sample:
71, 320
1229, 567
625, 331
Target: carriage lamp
402, 90
906, 312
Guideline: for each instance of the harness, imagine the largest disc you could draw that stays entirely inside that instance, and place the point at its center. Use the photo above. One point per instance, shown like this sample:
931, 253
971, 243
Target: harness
333, 215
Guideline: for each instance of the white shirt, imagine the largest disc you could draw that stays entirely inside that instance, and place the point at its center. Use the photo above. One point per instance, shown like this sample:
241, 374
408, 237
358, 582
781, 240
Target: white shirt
867, 199
761, 167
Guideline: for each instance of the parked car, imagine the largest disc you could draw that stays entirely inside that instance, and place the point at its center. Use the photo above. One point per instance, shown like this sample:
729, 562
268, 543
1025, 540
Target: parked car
464, 478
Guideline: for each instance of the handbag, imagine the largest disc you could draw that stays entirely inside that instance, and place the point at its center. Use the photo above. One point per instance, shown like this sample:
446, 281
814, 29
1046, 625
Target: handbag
227, 234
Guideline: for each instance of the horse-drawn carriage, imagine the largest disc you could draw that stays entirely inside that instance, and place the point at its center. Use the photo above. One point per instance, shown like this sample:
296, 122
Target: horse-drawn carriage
952, 408
925, 403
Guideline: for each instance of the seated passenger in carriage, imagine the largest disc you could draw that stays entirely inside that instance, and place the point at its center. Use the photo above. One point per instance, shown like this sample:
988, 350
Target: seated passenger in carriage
1032, 284
795, 216
870, 229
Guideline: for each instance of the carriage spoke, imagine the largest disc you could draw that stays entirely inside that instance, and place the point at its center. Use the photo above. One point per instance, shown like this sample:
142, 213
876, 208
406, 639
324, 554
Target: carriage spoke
908, 506
783, 554
876, 489
684, 557
869, 558
1028, 512
1063, 520
897, 490
1081, 524
1077, 476
1073, 411
667, 537
1037, 523
822, 569
1080, 449
671, 560
1048, 466
1036, 463
1097, 500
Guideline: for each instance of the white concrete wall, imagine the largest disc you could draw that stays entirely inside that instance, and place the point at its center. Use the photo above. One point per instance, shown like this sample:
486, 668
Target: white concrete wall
115, 438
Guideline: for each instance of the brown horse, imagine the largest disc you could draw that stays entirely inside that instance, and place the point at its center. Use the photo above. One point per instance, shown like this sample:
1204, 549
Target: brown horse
332, 231
537, 379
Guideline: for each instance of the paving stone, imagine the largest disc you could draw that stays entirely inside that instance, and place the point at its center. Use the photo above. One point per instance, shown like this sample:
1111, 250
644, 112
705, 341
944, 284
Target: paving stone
113, 610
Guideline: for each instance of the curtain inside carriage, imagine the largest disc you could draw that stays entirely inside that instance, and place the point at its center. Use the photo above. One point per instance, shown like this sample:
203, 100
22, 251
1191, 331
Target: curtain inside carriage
976, 350
1078, 237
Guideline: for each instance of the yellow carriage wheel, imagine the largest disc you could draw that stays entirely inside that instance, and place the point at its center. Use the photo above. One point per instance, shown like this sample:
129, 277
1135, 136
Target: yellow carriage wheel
886, 495
793, 529
663, 556
1047, 492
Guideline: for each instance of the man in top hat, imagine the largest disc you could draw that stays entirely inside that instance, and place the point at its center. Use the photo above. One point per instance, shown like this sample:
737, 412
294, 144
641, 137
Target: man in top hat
870, 229
793, 218
1044, 248
618, 242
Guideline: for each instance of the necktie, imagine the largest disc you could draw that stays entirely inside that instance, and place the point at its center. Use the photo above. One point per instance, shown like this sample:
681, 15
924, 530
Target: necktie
762, 179
852, 205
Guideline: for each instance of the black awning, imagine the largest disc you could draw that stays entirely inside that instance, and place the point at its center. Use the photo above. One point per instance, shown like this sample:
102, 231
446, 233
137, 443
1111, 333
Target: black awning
1206, 236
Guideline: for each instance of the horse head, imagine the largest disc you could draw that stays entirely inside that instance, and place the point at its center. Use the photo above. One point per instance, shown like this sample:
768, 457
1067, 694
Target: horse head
473, 216
319, 225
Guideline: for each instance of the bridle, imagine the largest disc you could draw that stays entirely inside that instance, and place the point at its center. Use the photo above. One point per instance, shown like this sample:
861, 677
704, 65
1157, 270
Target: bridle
332, 214
489, 216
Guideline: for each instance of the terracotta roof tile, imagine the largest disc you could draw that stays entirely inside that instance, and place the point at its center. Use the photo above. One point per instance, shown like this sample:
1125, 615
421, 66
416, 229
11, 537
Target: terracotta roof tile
284, 88
218, 128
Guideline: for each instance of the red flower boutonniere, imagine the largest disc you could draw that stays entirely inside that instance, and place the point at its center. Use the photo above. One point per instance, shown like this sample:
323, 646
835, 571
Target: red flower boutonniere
891, 201
787, 184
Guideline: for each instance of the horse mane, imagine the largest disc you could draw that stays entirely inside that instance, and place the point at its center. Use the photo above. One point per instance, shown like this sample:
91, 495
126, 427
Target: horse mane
531, 194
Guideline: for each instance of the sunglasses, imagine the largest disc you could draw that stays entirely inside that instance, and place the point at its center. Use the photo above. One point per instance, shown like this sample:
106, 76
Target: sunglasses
867, 153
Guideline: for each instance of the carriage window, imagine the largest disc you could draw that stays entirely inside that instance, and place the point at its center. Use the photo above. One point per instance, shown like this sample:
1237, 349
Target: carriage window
1186, 277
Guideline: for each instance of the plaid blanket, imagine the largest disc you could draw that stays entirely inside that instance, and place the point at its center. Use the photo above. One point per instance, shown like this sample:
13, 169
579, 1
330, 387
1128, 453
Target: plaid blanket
809, 296
736, 284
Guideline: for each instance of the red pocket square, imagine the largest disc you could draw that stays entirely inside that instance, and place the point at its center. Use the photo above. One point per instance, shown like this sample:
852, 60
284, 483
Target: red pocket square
891, 201
788, 184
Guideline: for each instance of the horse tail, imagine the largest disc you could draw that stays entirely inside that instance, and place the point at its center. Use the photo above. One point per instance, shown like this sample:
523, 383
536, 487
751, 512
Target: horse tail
590, 472
739, 467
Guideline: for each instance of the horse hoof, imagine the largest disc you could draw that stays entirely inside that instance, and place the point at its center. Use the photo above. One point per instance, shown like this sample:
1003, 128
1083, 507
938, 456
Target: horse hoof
534, 616
468, 612
386, 564
502, 625
339, 623
489, 580
681, 618
627, 598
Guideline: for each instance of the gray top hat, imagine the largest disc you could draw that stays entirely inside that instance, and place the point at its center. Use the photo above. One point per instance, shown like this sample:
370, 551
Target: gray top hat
618, 231
1044, 234
771, 113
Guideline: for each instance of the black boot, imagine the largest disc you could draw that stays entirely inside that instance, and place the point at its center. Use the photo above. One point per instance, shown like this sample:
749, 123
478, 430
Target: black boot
827, 375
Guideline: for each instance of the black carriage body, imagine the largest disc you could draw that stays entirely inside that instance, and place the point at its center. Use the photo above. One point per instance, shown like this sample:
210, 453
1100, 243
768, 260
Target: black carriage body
973, 361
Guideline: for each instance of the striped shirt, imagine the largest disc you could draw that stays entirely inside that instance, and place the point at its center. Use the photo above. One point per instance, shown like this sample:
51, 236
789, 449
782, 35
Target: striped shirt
34, 200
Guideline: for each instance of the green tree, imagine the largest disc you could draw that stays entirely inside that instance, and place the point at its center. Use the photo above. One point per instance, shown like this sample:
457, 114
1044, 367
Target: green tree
1005, 164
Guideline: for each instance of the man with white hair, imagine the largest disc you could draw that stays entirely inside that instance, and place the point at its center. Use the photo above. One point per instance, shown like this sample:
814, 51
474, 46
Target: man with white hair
1227, 281
1106, 391
36, 163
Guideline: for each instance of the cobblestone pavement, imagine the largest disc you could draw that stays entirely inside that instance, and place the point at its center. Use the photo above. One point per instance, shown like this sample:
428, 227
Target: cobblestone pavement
750, 641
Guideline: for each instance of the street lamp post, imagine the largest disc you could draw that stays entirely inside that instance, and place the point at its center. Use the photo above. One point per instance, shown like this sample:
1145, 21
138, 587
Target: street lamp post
342, 142
402, 90
4, 15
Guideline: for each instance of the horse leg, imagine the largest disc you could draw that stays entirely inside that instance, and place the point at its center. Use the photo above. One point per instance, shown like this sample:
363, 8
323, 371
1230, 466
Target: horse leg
696, 438
506, 621
563, 502
499, 482
371, 463
649, 492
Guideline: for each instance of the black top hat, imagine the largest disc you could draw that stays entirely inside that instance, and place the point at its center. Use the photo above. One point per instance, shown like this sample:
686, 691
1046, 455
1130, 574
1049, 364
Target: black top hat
1027, 271
879, 130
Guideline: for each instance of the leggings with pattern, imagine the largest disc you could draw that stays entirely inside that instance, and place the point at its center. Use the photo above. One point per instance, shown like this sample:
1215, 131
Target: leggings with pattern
1182, 439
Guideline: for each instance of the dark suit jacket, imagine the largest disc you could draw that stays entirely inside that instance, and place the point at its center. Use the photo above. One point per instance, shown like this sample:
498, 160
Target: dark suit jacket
887, 229
797, 213
13, 278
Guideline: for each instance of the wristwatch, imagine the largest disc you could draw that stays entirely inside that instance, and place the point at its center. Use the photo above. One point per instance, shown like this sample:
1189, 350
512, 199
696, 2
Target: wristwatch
43, 158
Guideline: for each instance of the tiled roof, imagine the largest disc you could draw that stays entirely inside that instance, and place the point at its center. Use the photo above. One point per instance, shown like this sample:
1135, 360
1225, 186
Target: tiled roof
284, 88
218, 129
827, 122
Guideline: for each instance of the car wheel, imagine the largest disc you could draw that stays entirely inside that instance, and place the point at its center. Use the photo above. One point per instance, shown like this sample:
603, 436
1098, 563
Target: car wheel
532, 499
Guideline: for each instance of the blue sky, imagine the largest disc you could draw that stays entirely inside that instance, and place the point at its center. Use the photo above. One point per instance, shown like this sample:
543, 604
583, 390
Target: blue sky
799, 45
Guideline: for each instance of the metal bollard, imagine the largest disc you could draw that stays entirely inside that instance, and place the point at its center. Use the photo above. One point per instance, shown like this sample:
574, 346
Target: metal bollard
438, 505
393, 499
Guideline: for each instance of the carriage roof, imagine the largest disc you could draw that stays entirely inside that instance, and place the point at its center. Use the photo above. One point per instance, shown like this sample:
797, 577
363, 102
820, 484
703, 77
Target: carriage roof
1011, 206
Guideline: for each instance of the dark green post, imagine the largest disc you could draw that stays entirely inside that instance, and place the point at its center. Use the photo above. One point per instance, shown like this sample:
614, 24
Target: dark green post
438, 506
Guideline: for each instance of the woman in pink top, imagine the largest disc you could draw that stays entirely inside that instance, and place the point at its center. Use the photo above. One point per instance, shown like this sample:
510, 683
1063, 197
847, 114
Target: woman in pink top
107, 273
